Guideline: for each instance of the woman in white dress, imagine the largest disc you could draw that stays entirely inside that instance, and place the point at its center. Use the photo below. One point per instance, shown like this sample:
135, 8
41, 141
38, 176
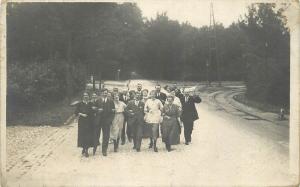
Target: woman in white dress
153, 108
117, 123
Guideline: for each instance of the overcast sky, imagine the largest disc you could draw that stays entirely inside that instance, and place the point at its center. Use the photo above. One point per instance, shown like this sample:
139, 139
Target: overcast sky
195, 12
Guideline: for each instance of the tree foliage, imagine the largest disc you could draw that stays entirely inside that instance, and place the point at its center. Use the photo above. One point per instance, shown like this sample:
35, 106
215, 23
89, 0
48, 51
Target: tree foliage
52, 49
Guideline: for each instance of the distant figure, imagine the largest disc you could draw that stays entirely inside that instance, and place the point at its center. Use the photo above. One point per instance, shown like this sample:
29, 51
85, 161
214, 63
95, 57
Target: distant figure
189, 114
135, 112
118, 121
169, 126
281, 114
152, 109
84, 138
107, 106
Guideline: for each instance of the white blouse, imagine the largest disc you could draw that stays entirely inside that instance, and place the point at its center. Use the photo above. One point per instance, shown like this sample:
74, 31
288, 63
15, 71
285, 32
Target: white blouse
120, 106
153, 111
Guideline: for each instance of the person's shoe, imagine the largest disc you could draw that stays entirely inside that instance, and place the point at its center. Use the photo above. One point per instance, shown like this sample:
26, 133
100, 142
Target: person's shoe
115, 150
94, 150
186, 143
86, 154
155, 149
138, 150
83, 151
123, 143
104, 154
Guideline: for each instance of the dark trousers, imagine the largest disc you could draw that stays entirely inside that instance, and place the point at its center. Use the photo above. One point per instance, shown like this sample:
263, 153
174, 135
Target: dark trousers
137, 133
126, 130
188, 128
105, 127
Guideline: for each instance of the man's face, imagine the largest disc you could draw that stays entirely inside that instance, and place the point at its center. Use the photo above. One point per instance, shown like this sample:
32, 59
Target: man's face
104, 93
186, 93
139, 87
85, 96
157, 88
94, 96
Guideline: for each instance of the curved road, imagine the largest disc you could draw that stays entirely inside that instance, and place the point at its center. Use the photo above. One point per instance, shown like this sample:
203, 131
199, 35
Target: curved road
226, 149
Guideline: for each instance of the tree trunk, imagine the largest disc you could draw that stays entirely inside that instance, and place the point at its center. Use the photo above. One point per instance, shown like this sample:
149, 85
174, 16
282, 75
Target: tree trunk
68, 73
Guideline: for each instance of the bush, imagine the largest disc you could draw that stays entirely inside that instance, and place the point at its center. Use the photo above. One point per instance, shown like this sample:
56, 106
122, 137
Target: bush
268, 81
36, 84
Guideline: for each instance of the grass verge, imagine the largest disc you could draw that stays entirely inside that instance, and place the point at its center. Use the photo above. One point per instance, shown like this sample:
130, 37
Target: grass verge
265, 107
54, 114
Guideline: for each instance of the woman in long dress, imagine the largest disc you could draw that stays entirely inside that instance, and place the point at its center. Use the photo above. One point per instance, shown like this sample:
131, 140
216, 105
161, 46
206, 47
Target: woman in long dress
85, 129
117, 123
153, 108
171, 113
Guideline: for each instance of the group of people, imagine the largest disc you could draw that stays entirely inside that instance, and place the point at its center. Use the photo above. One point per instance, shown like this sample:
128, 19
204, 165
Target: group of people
136, 114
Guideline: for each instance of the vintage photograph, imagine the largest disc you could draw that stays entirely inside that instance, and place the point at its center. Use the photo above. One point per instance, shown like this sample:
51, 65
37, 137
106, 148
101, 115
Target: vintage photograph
150, 93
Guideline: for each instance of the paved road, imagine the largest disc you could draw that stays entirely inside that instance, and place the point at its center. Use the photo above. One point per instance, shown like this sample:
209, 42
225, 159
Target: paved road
226, 149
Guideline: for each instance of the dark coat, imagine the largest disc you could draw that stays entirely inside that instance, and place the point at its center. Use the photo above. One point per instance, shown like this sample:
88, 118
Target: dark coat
135, 118
85, 128
107, 115
162, 97
189, 112
138, 111
121, 98
95, 121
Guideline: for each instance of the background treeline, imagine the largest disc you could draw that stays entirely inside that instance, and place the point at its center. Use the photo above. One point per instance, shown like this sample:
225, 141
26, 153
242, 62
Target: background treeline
53, 48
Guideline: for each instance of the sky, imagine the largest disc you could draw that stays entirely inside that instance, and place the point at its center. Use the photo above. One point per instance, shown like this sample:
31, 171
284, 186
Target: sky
196, 12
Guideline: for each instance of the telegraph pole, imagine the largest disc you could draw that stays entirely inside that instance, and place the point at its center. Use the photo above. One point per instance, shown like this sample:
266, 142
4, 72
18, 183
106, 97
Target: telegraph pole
213, 53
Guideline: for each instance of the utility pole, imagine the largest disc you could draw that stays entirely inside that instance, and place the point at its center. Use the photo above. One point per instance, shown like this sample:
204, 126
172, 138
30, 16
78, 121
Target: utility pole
213, 53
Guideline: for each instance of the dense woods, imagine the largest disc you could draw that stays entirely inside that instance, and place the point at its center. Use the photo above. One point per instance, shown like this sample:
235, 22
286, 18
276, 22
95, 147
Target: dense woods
53, 48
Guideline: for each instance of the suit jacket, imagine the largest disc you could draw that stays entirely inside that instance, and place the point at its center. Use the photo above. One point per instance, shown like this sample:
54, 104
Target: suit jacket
137, 111
162, 97
121, 98
95, 114
189, 112
107, 114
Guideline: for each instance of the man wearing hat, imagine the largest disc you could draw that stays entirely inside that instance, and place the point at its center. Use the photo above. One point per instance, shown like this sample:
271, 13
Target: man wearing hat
189, 113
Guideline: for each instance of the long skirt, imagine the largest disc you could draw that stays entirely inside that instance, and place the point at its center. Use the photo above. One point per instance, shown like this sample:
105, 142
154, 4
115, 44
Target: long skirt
85, 133
154, 130
170, 131
117, 126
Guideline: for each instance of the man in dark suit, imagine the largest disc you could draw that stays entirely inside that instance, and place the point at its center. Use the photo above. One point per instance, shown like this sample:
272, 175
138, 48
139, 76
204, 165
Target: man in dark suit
135, 111
125, 98
107, 108
159, 95
189, 114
